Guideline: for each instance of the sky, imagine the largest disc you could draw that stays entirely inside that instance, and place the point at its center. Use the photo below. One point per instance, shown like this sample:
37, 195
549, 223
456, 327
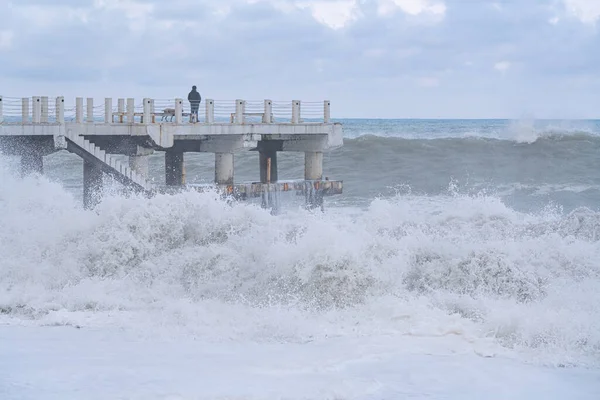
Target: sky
370, 58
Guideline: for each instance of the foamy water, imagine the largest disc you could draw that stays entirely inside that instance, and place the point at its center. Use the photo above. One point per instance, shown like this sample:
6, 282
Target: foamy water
459, 252
524, 284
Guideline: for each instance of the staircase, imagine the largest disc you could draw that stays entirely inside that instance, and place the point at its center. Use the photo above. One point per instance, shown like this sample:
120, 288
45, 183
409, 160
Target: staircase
108, 164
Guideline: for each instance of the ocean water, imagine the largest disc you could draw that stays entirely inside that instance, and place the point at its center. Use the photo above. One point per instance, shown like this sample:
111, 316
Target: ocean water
484, 233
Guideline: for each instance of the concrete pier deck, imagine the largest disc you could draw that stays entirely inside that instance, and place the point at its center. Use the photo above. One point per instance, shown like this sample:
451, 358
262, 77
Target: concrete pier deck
38, 126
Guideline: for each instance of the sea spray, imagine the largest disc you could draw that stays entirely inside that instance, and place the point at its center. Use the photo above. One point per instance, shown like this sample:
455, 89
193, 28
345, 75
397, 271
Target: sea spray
194, 264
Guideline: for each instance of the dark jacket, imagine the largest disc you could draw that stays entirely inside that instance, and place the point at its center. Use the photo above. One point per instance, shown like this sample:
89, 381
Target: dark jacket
194, 97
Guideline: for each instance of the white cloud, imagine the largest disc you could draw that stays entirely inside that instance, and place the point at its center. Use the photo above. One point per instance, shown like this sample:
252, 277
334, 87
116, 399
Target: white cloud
588, 11
502, 66
334, 14
412, 7
136, 12
6, 38
374, 52
48, 17
428, 82
361, 54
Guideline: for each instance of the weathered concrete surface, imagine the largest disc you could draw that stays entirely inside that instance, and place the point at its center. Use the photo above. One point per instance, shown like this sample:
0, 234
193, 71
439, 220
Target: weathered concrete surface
224, 167
174, 168
164, 135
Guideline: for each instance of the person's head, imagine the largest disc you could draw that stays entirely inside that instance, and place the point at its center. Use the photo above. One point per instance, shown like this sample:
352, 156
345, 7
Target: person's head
194, 87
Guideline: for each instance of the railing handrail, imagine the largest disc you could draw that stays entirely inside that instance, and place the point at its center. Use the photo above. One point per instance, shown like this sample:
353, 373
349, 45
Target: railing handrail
43, 109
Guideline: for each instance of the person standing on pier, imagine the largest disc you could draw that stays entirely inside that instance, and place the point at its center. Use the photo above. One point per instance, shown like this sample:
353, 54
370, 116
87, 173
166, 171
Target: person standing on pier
194, 98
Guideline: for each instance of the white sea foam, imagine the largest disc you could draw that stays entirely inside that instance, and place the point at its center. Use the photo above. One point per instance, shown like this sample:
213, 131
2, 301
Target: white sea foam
192, 264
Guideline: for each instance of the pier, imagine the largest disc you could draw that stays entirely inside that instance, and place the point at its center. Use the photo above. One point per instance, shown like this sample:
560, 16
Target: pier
33, 127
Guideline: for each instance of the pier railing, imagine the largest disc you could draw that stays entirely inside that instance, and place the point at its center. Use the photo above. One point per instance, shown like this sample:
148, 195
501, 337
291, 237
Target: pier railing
46, 110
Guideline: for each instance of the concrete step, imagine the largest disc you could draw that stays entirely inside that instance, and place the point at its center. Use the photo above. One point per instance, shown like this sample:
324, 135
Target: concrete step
110, 162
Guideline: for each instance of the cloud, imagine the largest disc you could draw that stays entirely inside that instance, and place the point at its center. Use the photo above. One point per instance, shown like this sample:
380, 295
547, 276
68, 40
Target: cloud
588, 11
6, 38
334, 14
428, 82
369, 57
502, 66
412, 7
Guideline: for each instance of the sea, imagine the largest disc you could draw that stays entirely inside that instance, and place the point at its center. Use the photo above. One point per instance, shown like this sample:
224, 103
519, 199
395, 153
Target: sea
461, 261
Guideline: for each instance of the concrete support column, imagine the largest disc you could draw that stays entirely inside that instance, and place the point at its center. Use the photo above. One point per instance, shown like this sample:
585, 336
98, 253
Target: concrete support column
44, 109
60, 109
25, 109
90, 110
32, 162
79, 110
108, 115
37, 110
224, 168
313, 165
267, 115
130, 110
121, 109
174, 168
296, 112
210, 111
267, 159
139, 164
178, 111
147, 103
313, 171
92, 185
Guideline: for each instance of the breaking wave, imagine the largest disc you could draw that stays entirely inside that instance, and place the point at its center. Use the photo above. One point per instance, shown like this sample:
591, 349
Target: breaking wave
410, 265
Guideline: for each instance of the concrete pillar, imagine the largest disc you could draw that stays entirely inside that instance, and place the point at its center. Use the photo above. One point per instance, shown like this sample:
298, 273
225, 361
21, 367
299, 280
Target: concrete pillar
1, 114
268, 112
140, 165
313, 171
313, 166
267, 159
60, 109
174, 168
44, 113
327, 111
178, 111
90, 110
130, 110
224, 168
25, 109
79, 110
240, 109
92, 185
147, 108
37, 110
108, 117
32, 162
296, 112
121, 109
210, 111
